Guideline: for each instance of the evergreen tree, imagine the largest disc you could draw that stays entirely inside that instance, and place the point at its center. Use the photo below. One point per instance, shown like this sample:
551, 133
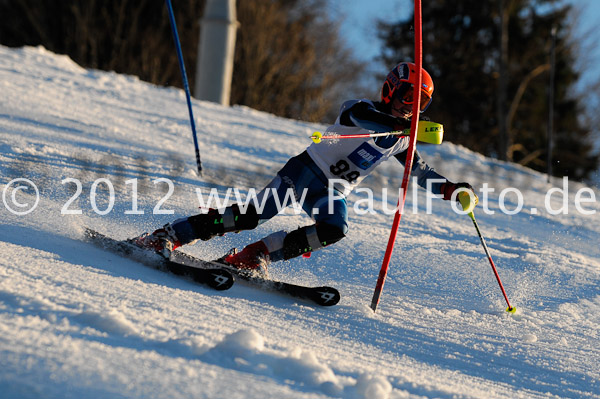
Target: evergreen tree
462, 52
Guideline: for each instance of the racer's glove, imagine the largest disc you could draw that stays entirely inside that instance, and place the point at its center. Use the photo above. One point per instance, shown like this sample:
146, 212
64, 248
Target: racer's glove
401, 124
466, 196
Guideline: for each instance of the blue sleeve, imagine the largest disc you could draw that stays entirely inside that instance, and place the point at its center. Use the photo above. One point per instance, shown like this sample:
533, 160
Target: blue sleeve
366, 116
423, 172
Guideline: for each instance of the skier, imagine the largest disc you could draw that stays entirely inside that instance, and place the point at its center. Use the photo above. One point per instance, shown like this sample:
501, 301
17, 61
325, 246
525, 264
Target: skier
315, 170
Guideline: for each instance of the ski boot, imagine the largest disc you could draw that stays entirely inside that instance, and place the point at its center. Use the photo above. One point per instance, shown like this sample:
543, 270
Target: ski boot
253, 259
162, 241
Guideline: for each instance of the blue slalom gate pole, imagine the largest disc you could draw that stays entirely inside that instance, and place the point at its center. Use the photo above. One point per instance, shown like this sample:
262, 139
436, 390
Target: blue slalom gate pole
185, 83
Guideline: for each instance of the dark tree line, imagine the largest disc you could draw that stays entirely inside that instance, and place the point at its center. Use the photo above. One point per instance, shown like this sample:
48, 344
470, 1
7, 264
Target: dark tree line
126, 36
494, 99
288, 60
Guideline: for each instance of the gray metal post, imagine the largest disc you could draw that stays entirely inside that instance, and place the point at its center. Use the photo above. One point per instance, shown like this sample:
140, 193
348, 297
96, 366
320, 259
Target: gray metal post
216, 48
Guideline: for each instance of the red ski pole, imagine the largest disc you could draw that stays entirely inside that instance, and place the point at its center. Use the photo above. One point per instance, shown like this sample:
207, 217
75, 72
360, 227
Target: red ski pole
510, 308
427, 132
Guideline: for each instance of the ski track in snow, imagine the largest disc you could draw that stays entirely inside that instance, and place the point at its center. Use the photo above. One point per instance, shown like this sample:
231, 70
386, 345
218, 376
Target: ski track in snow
76, 321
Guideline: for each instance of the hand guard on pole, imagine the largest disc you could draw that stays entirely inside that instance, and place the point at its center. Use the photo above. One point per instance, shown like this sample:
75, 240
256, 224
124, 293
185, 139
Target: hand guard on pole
462, 192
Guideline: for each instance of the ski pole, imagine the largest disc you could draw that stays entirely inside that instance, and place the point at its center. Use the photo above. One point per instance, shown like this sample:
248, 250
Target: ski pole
510, 308
427, 132
185, 82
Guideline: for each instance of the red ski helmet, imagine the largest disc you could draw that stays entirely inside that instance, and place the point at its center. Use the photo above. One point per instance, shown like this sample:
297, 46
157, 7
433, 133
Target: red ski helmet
400, 82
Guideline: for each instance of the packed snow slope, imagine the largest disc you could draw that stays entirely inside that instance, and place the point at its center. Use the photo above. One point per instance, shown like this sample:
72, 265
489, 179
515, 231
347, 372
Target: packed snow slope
79, 322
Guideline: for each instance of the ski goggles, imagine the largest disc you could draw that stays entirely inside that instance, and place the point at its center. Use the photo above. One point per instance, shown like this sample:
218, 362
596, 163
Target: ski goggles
408, 98
405, 94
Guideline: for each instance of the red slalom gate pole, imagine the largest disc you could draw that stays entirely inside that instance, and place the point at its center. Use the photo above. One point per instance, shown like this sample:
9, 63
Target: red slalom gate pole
409, 158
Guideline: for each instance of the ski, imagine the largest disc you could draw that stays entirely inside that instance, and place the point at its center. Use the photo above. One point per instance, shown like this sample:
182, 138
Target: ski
217, 278
207, 272
323, 296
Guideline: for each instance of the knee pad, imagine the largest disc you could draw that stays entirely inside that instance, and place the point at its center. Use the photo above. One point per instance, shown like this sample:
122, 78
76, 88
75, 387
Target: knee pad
329, 233
311, 238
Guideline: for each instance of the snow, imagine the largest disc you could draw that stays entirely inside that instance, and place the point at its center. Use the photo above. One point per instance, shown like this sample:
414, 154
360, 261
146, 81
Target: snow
76, 321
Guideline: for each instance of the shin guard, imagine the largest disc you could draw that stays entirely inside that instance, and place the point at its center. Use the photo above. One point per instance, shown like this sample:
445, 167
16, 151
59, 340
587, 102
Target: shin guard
214, 223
